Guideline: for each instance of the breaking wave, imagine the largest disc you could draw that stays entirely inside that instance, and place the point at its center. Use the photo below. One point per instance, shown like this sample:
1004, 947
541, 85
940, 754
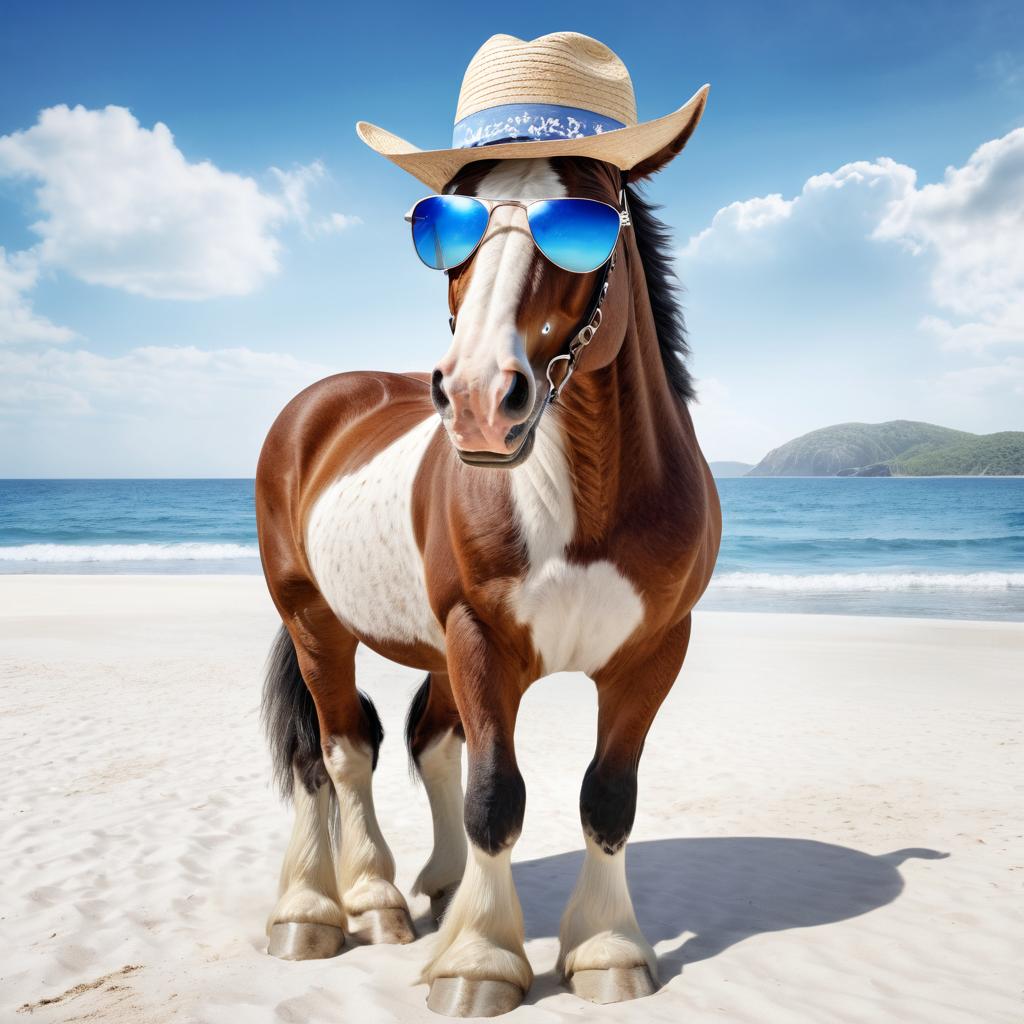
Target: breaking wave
869, 581
186, 552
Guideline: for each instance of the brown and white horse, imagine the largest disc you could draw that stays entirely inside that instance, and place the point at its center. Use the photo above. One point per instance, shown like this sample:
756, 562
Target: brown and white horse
587, 555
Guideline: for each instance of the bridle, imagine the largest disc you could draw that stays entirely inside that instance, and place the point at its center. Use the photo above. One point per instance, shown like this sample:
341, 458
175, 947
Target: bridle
569, 354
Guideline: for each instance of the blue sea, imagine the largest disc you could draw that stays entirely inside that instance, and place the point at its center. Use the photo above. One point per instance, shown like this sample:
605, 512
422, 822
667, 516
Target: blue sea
939, 547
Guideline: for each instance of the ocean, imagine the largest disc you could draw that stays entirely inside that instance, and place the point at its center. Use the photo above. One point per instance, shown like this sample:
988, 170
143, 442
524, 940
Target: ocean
947, 547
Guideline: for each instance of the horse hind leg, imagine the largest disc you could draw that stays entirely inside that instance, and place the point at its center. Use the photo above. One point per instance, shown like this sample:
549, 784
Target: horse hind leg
307, 921
376, 911
348, 735
434, 736
350, 738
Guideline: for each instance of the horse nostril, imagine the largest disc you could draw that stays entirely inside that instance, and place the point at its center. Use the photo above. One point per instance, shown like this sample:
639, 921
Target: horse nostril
437, 395
517, 398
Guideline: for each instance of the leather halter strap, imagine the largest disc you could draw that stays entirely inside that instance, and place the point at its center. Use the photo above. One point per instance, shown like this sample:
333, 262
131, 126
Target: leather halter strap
570, 352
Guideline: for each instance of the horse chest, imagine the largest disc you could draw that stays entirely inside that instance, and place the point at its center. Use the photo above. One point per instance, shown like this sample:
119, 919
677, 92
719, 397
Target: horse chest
578, 615
363, 553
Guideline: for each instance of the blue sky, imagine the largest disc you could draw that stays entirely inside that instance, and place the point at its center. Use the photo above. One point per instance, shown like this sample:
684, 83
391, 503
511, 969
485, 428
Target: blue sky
848, 215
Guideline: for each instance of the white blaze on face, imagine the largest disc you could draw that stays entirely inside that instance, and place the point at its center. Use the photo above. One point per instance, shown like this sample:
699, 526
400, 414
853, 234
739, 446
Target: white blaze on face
502, 262
487, 347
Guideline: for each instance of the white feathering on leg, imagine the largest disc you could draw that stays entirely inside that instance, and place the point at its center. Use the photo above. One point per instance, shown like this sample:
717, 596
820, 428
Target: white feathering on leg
308, 890
440, 767
599, 928
366, 869
481, 934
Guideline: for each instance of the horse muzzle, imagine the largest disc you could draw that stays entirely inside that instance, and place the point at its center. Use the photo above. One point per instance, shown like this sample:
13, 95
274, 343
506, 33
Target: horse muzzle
490, 426
495, 460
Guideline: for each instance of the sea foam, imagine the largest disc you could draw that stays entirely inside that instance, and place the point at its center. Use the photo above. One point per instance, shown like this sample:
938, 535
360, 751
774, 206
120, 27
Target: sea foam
186, 552
838, 582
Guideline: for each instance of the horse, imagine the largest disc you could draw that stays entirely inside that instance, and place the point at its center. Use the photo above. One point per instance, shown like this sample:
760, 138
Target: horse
488, 527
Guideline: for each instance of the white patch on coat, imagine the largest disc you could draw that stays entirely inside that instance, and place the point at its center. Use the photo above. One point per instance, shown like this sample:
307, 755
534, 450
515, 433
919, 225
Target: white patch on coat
308, 889
578, 615
599, 928
481, 933
365, 867
440, 768
362, 549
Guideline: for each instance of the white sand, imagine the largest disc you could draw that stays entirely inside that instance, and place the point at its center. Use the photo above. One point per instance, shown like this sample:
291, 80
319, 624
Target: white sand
829, 825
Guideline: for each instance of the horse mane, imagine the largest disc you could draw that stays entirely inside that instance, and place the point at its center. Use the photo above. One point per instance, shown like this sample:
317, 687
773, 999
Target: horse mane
654, 243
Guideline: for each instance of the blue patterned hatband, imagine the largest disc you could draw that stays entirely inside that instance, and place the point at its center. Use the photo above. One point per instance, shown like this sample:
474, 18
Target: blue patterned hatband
529, 122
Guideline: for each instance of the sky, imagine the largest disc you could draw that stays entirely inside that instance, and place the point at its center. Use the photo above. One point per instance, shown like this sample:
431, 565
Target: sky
191, 232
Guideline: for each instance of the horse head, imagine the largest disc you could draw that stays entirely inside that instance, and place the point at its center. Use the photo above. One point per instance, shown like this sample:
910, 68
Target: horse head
514, 310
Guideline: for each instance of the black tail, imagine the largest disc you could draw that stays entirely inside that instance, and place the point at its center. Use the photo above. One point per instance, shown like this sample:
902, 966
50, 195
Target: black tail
291, 723
289, 718
417, 707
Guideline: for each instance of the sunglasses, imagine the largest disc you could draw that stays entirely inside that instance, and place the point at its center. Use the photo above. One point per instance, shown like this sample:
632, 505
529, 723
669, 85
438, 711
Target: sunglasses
577, 235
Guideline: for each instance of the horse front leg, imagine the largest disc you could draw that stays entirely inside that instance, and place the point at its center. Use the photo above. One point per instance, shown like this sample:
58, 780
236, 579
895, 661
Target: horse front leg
434, 735
479, 965
603, 954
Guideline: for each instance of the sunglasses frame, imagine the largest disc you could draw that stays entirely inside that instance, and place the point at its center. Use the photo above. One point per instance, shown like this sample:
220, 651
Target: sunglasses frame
492, 204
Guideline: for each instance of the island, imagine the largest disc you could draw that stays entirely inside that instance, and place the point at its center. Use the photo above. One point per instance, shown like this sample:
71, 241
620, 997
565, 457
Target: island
895, 448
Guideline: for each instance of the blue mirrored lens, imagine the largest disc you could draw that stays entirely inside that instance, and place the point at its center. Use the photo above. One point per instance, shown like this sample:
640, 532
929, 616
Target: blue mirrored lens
446, 229
575, 234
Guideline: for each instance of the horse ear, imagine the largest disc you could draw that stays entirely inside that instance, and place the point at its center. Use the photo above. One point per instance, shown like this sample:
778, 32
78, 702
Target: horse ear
656, 161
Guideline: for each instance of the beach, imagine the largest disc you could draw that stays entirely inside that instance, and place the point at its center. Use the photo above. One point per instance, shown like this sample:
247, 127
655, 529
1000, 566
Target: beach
829, 824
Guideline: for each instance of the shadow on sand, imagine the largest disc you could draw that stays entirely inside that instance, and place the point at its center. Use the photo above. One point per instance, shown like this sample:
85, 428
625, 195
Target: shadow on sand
722, 890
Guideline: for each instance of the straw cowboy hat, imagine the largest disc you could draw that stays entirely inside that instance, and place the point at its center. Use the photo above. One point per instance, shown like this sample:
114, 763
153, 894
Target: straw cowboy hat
565, 94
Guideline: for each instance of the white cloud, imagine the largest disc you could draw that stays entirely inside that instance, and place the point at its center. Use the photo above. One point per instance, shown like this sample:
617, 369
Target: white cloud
295, 187
738, 220
123, 207
985, 382
865, 296
968, 229
836, 204
1005, 69
335, 222
972, 225
153, 410
18, 322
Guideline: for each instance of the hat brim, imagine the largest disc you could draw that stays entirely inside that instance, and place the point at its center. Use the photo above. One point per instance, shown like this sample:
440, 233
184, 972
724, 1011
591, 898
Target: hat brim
624, 147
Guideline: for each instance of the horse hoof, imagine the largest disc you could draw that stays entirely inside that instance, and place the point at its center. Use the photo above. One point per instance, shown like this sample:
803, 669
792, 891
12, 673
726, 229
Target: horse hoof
302, 940
473, 997
439, 902
613, 984
386, 925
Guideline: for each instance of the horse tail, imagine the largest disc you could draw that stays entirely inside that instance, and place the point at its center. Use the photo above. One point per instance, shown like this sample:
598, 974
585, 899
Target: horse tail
290, 720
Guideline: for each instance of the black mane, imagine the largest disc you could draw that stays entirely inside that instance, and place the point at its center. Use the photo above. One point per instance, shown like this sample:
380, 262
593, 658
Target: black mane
654, 243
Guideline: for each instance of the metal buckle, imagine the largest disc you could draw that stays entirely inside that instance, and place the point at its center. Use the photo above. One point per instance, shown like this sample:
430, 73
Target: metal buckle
556, 389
